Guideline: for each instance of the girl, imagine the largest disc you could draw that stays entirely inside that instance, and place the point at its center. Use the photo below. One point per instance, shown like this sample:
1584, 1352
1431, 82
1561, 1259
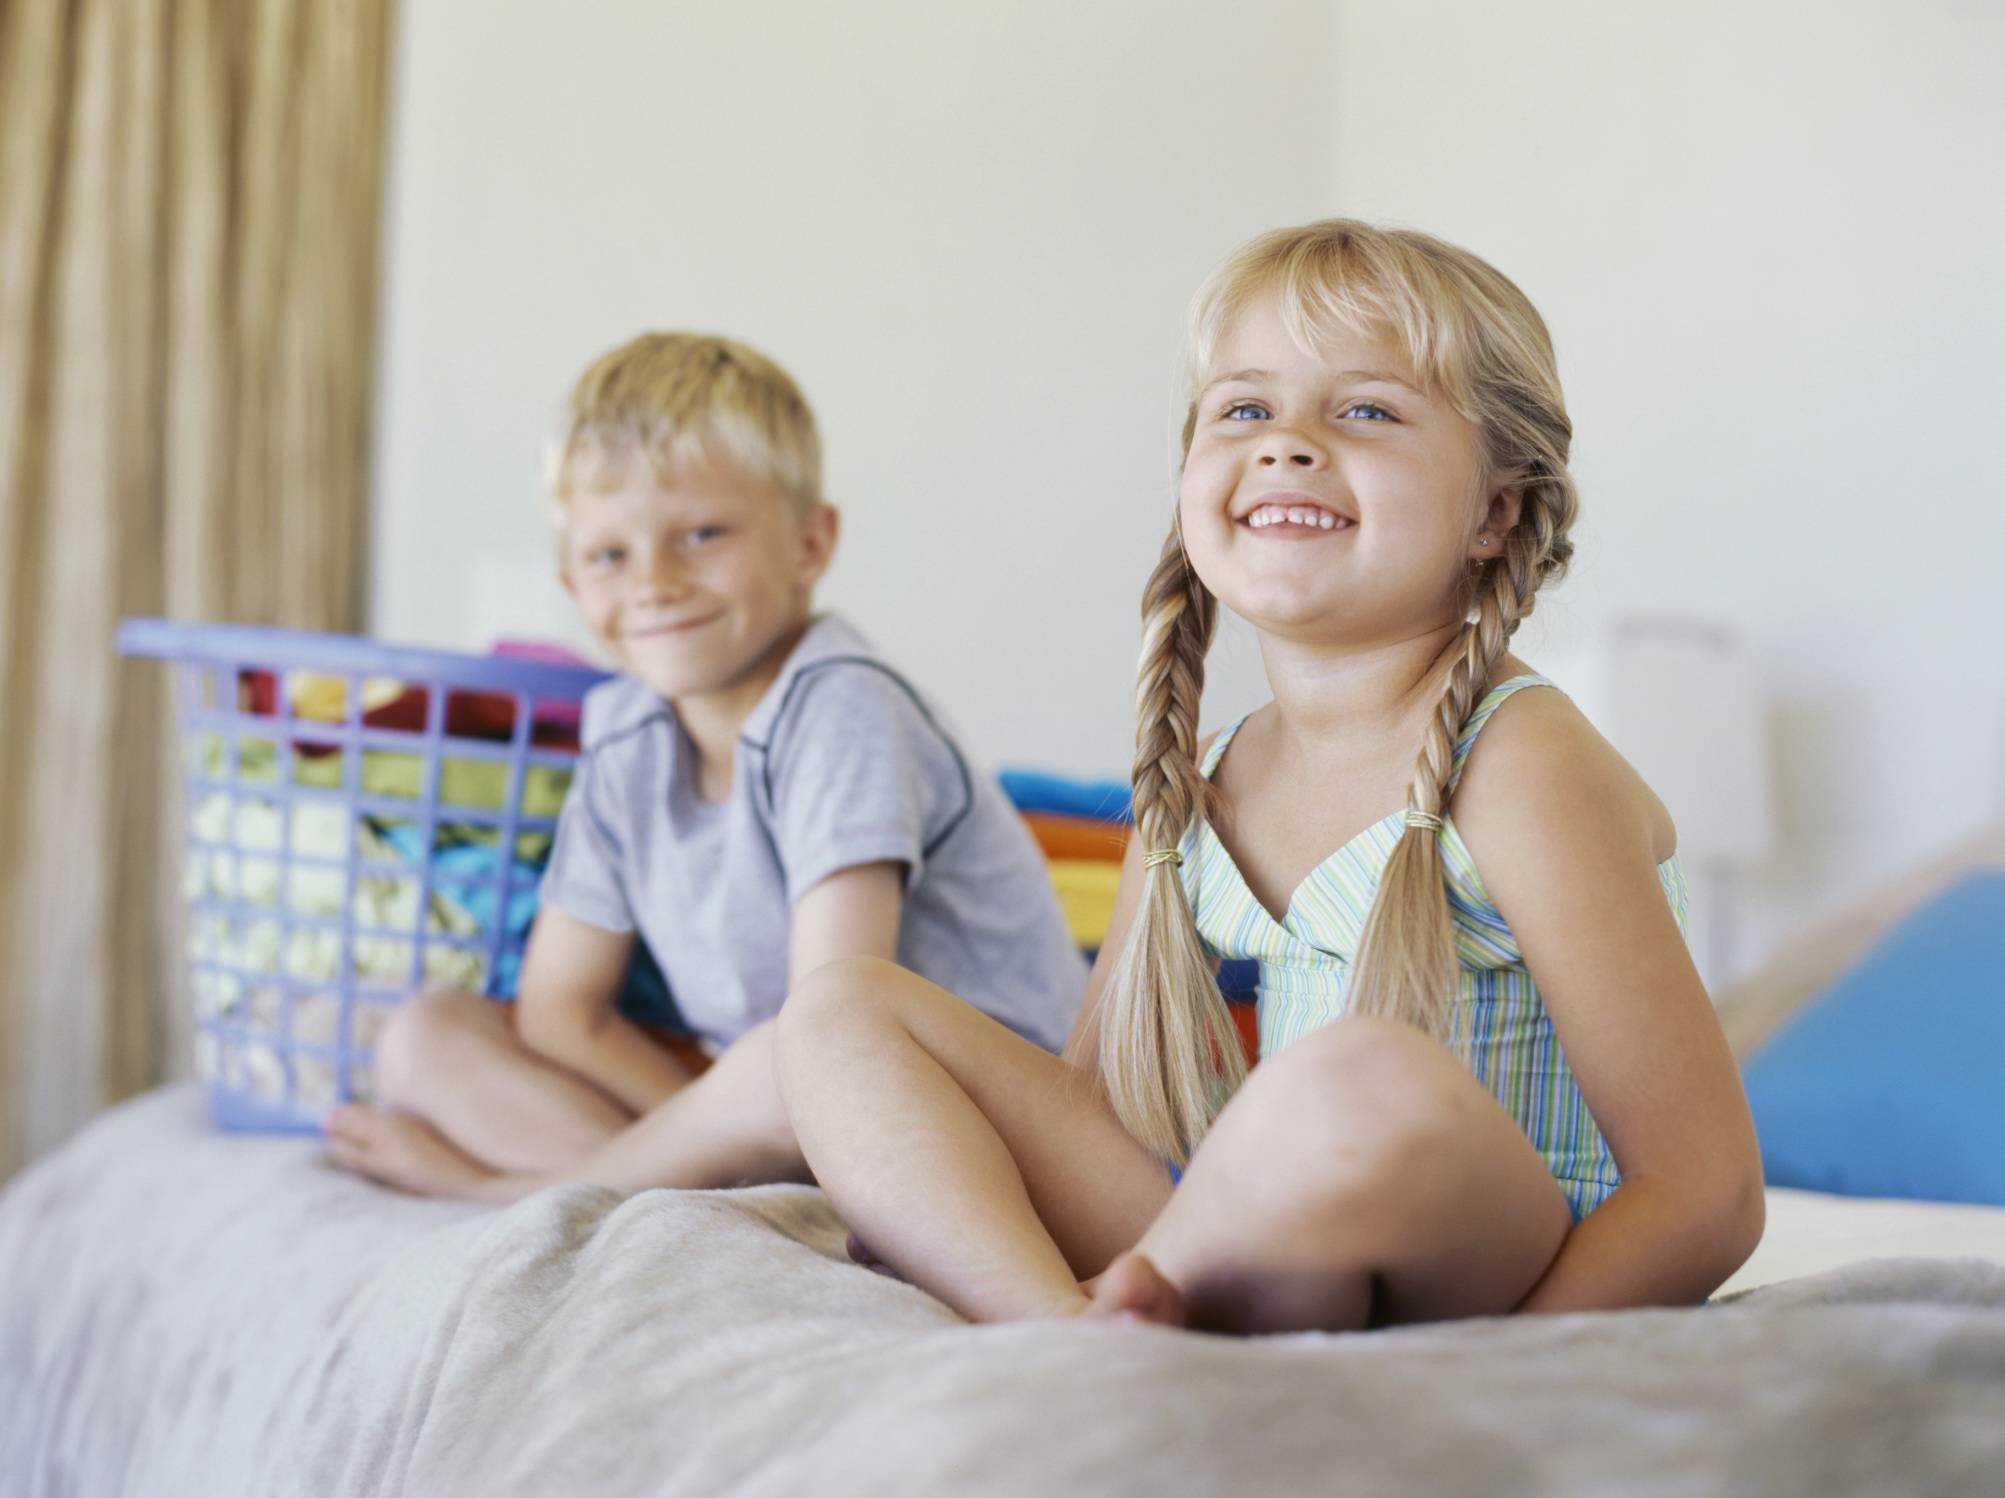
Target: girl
1491, 1078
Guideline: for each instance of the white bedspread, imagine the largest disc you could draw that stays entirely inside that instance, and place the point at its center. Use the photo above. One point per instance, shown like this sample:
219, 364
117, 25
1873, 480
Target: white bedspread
185, 1313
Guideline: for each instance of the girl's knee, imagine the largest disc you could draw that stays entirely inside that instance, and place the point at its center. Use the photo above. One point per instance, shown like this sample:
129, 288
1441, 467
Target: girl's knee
1358, 1106
1369, 1047
845, 992
846, 986
1375, 1064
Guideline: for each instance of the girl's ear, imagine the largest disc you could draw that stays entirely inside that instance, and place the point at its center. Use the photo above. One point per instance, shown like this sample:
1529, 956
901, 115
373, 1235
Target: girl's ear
1499, 520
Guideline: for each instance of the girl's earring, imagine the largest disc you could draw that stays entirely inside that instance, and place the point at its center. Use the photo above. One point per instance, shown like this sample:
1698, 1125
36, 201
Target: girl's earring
1483, 543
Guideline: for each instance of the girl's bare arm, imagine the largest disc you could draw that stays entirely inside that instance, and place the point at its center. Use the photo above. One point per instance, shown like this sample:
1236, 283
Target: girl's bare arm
1567, 839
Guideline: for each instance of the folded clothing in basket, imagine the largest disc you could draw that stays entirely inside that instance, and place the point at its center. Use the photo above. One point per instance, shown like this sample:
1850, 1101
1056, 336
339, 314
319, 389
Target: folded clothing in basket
392, 704
466, 874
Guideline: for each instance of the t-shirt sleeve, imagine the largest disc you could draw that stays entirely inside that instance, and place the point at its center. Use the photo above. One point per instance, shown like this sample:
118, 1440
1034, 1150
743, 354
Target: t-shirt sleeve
860, 772
583, 877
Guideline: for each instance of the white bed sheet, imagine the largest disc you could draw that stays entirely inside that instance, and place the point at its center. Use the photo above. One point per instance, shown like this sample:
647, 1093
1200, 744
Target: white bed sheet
1810, 1231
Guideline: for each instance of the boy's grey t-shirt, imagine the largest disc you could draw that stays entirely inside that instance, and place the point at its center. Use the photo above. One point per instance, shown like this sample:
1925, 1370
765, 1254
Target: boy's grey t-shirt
841, 763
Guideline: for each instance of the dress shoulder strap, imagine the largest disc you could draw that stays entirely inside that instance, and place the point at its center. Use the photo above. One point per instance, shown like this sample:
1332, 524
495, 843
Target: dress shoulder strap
1473, 725
1217, 750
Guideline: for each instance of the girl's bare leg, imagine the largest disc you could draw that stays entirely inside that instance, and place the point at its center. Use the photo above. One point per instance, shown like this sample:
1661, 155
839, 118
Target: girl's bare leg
727, 1128
1362, 1176
973, 1163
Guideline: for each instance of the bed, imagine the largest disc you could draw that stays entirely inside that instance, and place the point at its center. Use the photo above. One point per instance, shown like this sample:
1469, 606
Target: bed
184, 1311
189, 1312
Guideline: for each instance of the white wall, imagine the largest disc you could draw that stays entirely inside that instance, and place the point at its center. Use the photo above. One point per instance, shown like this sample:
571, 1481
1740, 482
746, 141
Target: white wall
969, 231
1767, 237
1770, 243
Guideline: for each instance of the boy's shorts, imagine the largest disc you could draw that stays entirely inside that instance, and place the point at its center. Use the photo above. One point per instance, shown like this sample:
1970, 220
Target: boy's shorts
645, 999
647, 1002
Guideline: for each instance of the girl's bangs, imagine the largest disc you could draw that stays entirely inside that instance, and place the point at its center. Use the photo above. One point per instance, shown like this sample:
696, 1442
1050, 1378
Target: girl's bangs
1328, 286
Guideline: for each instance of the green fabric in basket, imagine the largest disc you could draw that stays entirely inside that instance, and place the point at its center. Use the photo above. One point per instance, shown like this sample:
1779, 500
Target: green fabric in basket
395, 774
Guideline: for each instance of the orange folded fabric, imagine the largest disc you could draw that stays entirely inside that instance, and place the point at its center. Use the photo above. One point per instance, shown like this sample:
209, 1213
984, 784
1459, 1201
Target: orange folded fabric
1077, 837
1246, 1019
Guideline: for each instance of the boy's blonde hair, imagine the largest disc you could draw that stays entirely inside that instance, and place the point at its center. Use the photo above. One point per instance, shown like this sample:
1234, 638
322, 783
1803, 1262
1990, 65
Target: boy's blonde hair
678, 399
1169, 1055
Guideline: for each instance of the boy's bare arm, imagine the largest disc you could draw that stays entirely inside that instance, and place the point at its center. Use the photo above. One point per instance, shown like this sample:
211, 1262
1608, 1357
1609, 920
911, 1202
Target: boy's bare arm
731, 1126
573, 971
852, 913
572, 974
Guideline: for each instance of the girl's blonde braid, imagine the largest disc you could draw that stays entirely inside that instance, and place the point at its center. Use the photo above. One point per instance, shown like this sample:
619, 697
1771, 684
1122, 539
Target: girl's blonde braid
1169, 1055
1406, 955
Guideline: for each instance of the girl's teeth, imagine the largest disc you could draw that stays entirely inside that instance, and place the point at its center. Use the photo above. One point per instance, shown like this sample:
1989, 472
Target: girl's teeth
1319, 519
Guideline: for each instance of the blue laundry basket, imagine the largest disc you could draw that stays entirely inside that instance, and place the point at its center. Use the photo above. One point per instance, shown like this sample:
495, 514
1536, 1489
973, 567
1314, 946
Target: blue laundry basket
362, 819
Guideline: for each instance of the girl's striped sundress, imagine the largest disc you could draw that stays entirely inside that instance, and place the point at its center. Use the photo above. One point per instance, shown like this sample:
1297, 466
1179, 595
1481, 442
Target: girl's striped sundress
1305, 962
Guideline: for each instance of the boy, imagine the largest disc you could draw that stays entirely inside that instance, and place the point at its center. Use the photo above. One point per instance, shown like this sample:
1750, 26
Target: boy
758, 794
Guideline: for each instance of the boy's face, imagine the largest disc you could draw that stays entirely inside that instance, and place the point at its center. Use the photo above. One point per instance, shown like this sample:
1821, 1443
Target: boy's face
691, 586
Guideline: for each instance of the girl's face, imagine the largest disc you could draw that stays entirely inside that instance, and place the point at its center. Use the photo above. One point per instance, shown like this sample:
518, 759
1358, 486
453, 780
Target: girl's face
1325, 497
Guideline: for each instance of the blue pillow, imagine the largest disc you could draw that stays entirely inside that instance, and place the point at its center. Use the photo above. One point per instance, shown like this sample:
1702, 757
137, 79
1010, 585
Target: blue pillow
1893, 1083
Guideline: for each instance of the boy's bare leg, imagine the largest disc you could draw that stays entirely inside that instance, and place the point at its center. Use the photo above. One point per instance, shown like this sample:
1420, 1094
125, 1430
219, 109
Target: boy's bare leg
726, 1128
454, 1061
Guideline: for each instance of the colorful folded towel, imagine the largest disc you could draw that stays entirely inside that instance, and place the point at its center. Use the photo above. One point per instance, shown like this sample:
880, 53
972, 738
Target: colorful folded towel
1077, 837
1086, 895
1033, 790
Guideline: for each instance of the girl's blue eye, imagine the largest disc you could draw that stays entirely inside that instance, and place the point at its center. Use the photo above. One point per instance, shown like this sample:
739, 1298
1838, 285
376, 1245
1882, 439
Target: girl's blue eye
704, 533
605, 556
1244, 410
1379, 412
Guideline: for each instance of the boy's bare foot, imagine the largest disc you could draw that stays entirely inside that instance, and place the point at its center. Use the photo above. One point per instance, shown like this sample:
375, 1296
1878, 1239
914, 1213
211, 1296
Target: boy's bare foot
1134, 1289
401, 1150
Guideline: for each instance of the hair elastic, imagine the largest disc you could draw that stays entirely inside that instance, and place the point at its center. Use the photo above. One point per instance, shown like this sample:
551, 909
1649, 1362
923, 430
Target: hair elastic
1425, 819
1161, 855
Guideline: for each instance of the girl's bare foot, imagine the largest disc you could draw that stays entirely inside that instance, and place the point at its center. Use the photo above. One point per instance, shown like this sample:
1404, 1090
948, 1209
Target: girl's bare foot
402, 1151
1134, 1289
859, 1253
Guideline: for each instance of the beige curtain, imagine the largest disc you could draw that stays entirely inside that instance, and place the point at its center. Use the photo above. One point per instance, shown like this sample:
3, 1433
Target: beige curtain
189, 202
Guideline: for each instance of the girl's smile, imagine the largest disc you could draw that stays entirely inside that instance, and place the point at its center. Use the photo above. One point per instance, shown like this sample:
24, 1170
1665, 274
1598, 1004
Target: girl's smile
1286, 513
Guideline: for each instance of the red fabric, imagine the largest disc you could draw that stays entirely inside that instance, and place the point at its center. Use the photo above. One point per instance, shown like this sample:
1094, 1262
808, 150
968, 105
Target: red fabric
469, 715
257, 692
1247, 1018
555, 722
